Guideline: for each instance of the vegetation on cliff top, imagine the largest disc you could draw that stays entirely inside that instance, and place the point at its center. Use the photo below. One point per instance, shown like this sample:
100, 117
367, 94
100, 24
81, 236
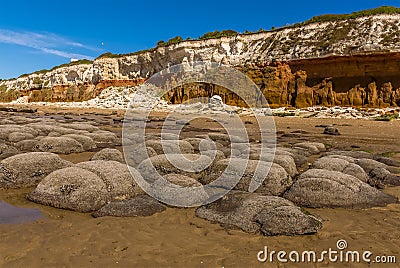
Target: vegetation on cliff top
111, 55
227, 33
218, 34
84, 61
354, 15
171, 41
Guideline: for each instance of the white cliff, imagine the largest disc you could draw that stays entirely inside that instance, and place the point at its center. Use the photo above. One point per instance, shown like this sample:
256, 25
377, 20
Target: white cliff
372, 34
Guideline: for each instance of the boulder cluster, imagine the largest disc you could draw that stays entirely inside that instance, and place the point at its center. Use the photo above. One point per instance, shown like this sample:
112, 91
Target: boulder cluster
49, 135
30, 149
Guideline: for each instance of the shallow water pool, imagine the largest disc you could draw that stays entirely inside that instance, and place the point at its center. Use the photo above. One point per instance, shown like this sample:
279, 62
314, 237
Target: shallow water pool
10, 214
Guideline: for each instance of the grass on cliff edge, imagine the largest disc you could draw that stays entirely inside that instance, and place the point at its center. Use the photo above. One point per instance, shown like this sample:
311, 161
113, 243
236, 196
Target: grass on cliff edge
354, 15
84, 61
227, 33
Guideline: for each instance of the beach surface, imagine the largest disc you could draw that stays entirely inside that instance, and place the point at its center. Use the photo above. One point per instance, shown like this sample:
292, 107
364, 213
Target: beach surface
177, 238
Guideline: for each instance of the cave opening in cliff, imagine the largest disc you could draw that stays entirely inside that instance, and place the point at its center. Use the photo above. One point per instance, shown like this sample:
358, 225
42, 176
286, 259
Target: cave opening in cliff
202, 92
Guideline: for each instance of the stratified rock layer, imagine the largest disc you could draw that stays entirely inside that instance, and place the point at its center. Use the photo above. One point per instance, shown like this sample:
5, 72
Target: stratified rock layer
353, 62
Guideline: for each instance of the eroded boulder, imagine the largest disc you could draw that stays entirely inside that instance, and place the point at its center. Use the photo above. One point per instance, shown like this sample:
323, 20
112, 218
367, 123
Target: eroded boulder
381, 177
19, 136
325, 188
71, 188
118, 179
109, 154
370, 164
170, 146
311, 147
138, 153
195, 166
30, 168
182, 180
103, 137
59, 145
7, 151
87, 142
340, 164
256, 213
271, 178
141, 205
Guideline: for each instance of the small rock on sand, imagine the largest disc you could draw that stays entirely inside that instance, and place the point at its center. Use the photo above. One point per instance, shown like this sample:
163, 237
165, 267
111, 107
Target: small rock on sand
331, 131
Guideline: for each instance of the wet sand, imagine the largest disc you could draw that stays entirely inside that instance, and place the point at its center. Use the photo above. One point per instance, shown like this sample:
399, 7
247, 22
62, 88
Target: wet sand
177, 238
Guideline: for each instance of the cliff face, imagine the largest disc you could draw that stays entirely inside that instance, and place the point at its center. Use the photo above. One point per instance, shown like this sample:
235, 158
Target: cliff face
321, 63
281, 87
352, 70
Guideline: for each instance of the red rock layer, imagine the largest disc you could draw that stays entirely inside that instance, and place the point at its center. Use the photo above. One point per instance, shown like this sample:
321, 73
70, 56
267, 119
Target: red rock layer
371, 80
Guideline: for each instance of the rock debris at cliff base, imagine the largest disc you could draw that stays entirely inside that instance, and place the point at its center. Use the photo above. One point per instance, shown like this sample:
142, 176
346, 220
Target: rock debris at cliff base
121, 98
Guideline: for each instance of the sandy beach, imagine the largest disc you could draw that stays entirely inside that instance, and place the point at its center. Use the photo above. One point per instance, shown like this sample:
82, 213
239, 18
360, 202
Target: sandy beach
220, 134
177, 238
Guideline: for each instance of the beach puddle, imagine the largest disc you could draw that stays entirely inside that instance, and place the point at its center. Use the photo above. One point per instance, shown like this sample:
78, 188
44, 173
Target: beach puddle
10, 214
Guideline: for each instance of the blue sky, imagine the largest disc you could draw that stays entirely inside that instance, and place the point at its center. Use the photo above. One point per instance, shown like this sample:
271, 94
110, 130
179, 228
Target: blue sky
37, 35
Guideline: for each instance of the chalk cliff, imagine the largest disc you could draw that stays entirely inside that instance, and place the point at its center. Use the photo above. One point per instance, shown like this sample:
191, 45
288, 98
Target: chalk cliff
347, 62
